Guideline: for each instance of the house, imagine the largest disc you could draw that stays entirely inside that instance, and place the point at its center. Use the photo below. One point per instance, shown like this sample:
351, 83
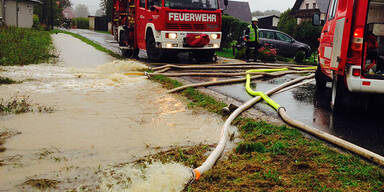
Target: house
238, 9
268, 22
98, 23
17, 13
303, 10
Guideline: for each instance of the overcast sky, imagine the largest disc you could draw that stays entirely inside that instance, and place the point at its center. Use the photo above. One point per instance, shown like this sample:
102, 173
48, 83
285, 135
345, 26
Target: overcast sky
260, 5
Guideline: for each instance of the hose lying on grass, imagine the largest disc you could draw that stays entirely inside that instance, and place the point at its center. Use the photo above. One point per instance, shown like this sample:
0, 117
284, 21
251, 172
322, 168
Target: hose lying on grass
316, 132
214, 156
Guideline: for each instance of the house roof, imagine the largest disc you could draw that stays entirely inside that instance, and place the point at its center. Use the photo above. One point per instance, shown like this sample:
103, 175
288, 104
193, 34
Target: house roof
35, 1
238, 9
266, 16
322, 4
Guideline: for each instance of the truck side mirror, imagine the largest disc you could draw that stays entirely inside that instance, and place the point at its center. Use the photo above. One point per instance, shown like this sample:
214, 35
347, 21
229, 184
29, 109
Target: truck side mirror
226, 2
316, 19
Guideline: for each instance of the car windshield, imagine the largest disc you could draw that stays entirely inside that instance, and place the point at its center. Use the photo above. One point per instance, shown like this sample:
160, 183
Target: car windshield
192, 4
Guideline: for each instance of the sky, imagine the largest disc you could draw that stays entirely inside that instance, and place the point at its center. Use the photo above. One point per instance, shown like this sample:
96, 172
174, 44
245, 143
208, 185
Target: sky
261, 5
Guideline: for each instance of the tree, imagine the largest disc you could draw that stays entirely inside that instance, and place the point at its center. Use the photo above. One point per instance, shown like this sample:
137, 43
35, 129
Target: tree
107, 7
81, 10
231, 29
266, 13
309, 34
50, 12
99, 13
287, 23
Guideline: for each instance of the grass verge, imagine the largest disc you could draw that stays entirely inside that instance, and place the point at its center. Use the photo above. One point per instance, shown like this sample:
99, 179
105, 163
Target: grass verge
273, 158
89, 42
225, 52
20, 46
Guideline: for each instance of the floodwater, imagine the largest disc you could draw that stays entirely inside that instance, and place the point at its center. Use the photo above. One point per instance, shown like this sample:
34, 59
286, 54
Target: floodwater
100, 117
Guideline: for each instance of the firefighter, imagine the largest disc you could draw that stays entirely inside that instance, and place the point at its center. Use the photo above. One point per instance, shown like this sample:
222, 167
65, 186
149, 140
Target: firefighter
252, 36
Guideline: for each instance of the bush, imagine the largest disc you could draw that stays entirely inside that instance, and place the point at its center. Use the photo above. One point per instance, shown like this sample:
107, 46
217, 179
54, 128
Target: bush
267, 54
36, 22
232, 29
309, 34
20, 46
80, 23
300, 56
240, 54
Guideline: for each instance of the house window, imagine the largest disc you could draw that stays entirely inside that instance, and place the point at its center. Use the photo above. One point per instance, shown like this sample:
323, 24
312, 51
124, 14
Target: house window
314, 5
307, 5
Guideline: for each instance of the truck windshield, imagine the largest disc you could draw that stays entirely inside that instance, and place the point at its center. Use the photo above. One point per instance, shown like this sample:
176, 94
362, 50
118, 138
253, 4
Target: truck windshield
192, 4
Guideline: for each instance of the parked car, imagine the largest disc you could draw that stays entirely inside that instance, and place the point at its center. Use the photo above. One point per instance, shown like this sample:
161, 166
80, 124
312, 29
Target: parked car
285, 44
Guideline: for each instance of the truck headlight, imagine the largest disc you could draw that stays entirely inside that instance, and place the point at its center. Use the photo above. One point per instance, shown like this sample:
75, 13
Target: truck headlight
215, 36
171, 35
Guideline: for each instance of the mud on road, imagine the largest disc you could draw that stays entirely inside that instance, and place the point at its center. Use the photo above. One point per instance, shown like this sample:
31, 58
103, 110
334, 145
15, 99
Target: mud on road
100, 117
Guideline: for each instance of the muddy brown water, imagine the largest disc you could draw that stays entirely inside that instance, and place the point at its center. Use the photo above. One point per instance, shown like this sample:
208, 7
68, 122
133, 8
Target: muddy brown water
100, 117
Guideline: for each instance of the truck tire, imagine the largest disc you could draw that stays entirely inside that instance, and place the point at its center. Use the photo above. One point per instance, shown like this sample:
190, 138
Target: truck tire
154, 53
338, 92
205, 56
130, 53
321, 79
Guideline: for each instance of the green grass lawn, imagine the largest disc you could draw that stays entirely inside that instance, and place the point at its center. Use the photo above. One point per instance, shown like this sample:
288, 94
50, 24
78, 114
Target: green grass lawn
225, 52
19, 46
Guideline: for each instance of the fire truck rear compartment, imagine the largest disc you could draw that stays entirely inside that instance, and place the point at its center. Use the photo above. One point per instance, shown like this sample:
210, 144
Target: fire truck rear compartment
374, 41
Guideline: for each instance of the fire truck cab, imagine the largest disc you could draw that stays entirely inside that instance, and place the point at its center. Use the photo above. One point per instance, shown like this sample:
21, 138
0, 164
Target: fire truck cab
351, 51
167, 26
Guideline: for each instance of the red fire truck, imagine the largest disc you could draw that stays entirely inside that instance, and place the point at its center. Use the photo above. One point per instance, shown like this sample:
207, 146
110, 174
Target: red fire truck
166, 27
351, 51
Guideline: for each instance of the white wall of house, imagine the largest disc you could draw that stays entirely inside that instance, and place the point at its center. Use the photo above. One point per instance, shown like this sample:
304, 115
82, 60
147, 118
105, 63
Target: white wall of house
275, 21
91, 20
310, 4
23, 17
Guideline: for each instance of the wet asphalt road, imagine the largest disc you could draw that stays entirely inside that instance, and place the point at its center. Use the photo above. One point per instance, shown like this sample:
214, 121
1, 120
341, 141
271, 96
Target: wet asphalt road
354, 124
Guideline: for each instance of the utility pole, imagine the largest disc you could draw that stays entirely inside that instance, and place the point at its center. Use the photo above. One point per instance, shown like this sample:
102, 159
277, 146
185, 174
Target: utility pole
17, 13
51, 15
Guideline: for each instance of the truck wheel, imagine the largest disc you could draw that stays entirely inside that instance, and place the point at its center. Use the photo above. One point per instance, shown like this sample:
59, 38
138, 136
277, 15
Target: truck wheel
130, 53
337, 94
205, 56
321, 79
153, 52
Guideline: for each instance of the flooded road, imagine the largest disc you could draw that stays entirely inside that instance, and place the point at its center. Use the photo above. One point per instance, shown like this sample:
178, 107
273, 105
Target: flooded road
100, 117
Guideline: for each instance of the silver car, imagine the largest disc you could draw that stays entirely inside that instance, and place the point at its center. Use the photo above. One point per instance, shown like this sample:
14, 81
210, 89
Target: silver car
285, 44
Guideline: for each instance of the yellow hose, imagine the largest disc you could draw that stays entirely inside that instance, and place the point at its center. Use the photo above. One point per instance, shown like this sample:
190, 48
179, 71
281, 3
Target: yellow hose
250, 91
136, 73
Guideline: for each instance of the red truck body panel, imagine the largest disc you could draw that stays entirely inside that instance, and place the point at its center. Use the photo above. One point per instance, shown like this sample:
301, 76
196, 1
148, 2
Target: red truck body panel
161, 19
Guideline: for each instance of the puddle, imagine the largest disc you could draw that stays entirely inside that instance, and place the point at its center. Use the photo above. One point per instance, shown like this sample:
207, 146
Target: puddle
101, 117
